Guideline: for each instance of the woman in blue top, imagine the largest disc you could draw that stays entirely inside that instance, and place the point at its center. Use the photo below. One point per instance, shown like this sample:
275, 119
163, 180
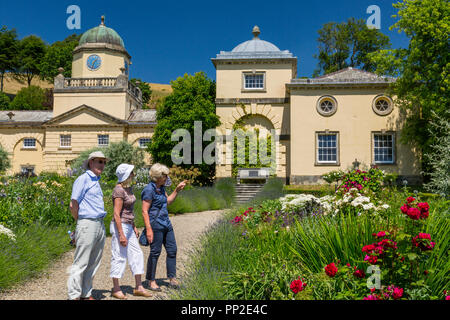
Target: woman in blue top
157, 223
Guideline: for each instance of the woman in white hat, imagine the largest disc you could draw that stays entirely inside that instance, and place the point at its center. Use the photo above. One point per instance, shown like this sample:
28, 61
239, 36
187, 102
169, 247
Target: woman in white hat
124, 234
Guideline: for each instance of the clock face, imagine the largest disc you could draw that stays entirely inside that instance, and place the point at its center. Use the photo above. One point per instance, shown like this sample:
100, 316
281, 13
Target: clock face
94, 62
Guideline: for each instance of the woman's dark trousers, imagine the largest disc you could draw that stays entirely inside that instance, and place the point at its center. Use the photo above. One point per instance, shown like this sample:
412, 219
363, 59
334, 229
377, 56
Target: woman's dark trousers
162, 236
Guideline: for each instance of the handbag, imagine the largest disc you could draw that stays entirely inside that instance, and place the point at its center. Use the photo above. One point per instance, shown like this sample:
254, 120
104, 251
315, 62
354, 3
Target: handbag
143, 241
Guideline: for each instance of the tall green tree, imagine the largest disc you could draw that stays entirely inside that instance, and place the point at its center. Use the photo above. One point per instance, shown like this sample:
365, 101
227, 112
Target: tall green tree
8, 52
347, 44
422, 69
59, 54
31, 51
192, 99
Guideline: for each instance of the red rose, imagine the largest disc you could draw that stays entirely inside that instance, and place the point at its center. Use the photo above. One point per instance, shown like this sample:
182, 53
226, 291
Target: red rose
331, 269
371, 259
424, 215
369, 248
297, 286
371, 297
423, 206
421, 242
381, 234
413, 213
359, 274
397, 293
404, 208
410, 199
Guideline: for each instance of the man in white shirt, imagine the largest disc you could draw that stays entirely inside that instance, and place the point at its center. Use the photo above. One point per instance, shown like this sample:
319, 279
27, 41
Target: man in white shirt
87, 208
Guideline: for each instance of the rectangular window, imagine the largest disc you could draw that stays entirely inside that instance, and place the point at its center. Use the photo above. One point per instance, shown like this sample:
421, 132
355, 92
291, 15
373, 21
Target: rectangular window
327, 148
103, 140
65, 140
383, 148
29, 143
254, 81
143, 142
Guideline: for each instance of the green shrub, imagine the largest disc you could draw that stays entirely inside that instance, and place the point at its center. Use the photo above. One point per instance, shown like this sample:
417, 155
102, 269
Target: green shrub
117, 153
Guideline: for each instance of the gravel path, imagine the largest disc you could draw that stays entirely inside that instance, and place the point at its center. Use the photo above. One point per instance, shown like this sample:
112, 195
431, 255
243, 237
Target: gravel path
52, 285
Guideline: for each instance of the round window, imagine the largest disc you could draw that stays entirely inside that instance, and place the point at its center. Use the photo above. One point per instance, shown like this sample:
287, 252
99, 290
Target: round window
327, 106
382, 105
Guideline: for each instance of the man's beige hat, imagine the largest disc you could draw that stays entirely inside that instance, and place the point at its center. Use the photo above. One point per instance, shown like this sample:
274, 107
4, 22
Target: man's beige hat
95, 154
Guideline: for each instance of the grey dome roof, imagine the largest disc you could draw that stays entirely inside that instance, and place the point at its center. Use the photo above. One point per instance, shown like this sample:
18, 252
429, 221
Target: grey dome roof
256, 44
255, 49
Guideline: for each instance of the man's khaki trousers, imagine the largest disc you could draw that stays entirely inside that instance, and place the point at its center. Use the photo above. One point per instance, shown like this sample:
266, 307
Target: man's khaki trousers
89, 239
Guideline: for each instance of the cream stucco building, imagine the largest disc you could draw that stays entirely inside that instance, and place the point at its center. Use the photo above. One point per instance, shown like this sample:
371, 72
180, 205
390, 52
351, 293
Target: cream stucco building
98, 105
331, 122
321, 124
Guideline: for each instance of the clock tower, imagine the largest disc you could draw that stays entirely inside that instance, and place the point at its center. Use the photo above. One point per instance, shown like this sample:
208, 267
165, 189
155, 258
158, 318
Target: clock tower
100, 77
100, 53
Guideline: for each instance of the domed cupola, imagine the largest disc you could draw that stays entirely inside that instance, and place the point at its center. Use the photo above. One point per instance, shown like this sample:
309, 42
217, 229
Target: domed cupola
256, 44
254, 49
100, 53
102, 34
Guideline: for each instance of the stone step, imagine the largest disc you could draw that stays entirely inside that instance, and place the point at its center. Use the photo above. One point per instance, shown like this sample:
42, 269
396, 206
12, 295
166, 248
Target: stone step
246, 192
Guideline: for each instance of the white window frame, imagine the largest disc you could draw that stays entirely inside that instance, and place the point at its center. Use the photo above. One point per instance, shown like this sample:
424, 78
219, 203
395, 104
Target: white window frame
254, 74
65, 141
102, 138
25, 146
145, 145
327, 162
374, 147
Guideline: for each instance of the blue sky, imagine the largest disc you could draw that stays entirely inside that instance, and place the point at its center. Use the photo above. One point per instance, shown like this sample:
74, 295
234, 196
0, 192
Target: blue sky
167, 39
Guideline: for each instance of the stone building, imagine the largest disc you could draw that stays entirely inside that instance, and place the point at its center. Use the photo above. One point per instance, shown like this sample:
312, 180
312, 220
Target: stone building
321, 124
336, 121
98, 105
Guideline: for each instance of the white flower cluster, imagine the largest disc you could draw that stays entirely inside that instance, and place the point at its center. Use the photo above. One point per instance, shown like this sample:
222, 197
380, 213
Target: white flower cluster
7, 232
357, 200
293, 202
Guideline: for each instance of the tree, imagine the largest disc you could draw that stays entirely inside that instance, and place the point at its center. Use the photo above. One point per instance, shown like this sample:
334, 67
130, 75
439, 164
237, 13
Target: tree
423, 70
117, 153
8, 52
145, 89
29, 98
347, 44
59, 54
4, 101
192, 99
31, 51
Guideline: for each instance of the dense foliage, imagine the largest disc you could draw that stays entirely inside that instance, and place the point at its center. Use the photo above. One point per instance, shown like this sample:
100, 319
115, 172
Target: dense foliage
192, 99
348, 44
422, 70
